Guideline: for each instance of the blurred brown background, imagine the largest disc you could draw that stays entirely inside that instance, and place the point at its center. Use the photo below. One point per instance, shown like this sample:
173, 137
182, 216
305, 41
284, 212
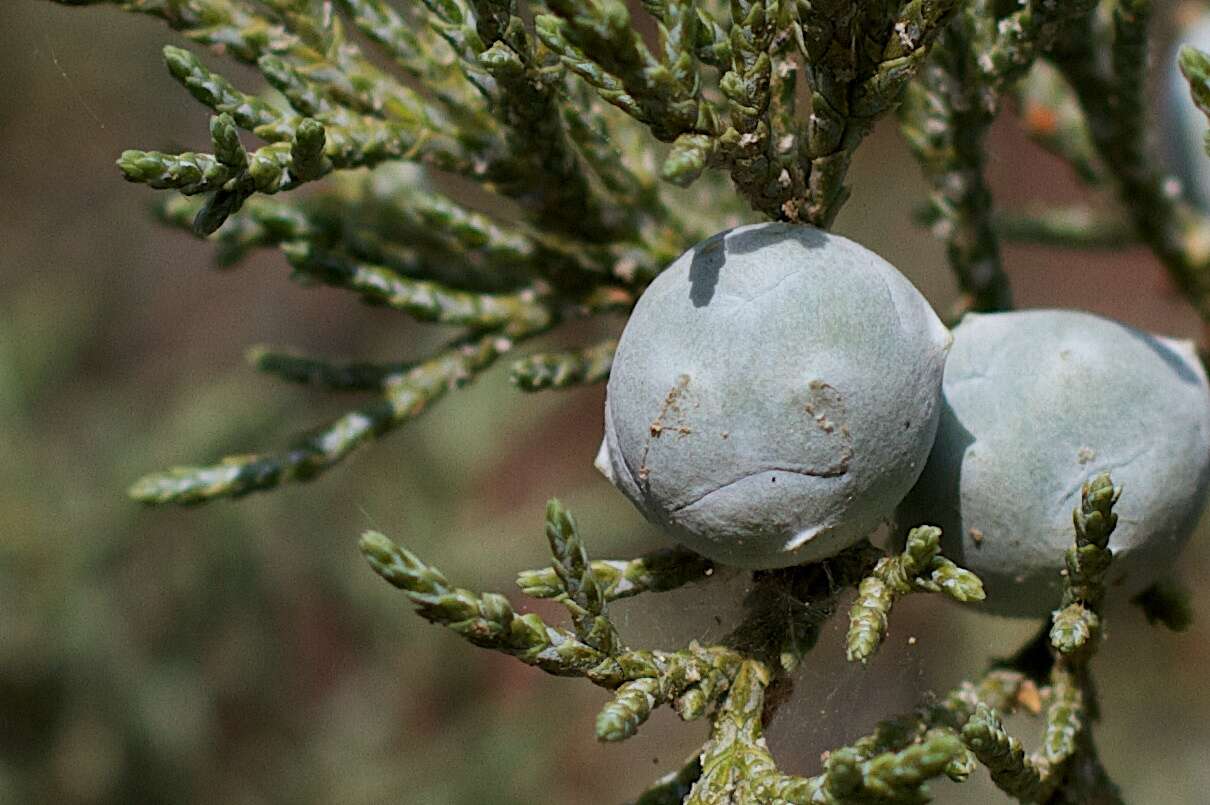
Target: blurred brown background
242, 652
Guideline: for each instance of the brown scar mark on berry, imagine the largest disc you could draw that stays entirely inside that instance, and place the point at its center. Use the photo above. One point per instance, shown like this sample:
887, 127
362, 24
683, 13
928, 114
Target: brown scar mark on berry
976, 536
670, 417
1085, 455
825, 405
671, 406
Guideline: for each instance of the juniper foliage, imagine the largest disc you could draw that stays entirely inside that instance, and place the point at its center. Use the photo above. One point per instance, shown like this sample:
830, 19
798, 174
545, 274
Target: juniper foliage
569, 118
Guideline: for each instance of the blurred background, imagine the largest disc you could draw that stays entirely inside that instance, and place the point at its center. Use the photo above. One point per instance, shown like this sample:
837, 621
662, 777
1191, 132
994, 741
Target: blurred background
243, 652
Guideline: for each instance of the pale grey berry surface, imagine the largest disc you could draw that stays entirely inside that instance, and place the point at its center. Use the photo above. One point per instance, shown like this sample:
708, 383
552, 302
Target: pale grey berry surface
1035, 404
774, 395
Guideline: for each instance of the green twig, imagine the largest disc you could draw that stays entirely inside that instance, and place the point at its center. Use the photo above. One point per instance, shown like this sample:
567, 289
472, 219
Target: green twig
487, 620
558, 370
580, 590
919, 568
658, 571
1110, 92
404, 397
1074, 227
309, 371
